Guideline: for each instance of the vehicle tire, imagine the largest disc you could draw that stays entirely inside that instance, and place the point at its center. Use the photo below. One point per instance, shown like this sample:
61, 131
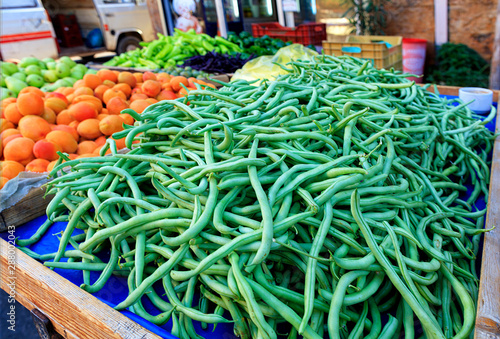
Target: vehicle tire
127, 43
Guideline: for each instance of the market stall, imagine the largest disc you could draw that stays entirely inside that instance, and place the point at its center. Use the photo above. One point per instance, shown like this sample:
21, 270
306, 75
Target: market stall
189, 197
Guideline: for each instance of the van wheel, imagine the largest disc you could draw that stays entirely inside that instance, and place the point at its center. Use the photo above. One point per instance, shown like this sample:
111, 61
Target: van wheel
127, 43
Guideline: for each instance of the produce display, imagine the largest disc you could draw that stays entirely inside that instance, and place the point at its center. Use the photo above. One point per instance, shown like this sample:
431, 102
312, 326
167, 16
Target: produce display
327, 203
187, 72
172, 50
217, 63
77, 120
257, 46
46, 74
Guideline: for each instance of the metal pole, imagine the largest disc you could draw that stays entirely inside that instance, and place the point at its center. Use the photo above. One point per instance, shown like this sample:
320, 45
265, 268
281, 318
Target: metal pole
221, 18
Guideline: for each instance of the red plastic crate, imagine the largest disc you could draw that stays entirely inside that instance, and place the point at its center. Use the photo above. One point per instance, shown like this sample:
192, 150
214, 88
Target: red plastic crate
306, 34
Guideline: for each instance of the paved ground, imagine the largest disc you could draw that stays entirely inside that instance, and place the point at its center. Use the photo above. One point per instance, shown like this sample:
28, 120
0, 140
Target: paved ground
24, 327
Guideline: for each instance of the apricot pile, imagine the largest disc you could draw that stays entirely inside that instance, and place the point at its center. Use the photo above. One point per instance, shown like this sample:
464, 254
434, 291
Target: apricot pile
77, 120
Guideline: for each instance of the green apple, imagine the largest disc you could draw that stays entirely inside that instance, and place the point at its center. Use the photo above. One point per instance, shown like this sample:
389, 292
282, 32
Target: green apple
35, 80
25, 62
71, 80
51, 65
33, 69
50, 76
19, 75
67, 60
63, 70
6, 93
8, 68
91, 71
14, 84
77, 74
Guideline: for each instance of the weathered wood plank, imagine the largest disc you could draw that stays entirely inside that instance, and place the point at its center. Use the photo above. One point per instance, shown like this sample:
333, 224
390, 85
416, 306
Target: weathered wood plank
488, 309
74, 312
30, 207
453, 90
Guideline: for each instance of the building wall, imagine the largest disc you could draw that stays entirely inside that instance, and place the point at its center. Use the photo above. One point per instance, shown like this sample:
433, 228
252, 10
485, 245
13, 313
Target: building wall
471, 22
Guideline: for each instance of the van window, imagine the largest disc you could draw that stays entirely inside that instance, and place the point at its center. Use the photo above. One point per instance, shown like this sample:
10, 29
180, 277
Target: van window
18, 3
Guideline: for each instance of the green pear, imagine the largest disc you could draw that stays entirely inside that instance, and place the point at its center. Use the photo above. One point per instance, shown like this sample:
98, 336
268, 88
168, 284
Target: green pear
15, 85
67, 60
63, 70
79, 67
50, 76
25, 62
8, 68
19, 75
46, 60
71, 80
6, 93
33, 69
62, 83
42, 65
35, 80
2, 80
91, 71
77, 74
51, 65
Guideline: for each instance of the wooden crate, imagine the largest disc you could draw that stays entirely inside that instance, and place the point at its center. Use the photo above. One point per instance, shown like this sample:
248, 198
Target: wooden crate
31, 206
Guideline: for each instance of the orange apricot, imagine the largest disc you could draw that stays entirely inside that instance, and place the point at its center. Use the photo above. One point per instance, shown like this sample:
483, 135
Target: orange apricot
151, 88
111, 93
89, 129
12, 114
45, 149
139, 105
64, 139
127, 118
89, 98
148, 75
92, 80
83, 91
59, 95
99, 91
20, 150
166, 95
100, 140
82, 110
111, 124
37, 165
106, 74
34, 90
30, 104
34, 127
64, 118
85, 147
137, 96
56, 104
67, 128
125, 88
116, 104
49, 115
176, 82
10, 169
128, 78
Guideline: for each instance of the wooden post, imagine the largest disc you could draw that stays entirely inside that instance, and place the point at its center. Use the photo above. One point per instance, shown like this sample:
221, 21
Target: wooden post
156, 14
495, 60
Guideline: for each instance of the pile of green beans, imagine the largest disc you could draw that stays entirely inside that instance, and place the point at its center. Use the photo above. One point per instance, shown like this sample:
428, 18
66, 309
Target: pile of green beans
331, 202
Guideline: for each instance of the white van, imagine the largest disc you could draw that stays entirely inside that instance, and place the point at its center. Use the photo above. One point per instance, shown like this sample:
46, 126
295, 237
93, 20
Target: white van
52, 28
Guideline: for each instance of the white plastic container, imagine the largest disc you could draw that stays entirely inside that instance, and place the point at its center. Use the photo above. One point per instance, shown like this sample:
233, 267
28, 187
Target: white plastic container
483, 99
